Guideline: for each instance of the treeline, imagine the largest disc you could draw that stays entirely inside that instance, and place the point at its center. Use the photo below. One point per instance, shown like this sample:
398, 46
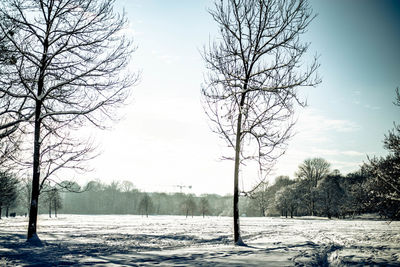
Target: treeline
310, 194
315, 191
123, 198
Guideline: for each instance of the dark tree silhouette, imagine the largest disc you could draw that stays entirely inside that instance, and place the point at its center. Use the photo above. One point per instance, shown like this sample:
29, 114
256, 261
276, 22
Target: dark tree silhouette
146, 204
331, 195
384, 182
8, 190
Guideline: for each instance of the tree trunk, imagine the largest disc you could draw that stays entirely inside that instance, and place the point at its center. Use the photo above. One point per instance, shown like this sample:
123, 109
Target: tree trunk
55, 207
33, 211
7, 208
0, 211
236, 226
50, 209
312, 206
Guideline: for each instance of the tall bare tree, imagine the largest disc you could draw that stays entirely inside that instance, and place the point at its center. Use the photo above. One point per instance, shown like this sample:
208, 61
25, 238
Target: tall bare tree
69, 71
254, 68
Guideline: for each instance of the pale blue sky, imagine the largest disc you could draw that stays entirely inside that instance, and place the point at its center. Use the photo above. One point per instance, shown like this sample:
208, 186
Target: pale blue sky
164, 139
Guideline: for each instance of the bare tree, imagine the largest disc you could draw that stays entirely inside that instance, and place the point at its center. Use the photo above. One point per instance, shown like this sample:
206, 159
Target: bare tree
312, 171
259, 196
189, 205
146, 205
204, 206
254, 69
69, 71
52, 198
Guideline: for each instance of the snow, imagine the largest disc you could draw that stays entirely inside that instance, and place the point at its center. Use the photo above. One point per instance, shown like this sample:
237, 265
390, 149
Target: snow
129, 240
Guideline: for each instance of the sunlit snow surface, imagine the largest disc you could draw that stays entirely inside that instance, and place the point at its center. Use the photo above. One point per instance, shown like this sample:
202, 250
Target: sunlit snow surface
179, 241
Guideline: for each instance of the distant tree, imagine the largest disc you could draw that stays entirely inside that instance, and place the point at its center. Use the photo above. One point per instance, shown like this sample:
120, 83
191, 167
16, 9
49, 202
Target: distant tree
189, 205
52, 198
312, 171
263, 196
255, 68
95, 197
129, 193
126, 186
25, 194
145, 205
282, 202
8, 191
259, 197
287, 200
70, 71
204, 206
331, 195
112, 197
294, 198
45, 198
57, 201
355, 193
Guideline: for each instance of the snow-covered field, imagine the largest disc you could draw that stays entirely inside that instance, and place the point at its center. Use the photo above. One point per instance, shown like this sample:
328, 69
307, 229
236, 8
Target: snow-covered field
179, 241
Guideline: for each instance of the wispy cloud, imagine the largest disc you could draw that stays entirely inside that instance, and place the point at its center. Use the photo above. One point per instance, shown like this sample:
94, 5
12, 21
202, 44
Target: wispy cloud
357, 101
317, 128
371, 107
164, 57
338, 125
336, 152
321, 136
